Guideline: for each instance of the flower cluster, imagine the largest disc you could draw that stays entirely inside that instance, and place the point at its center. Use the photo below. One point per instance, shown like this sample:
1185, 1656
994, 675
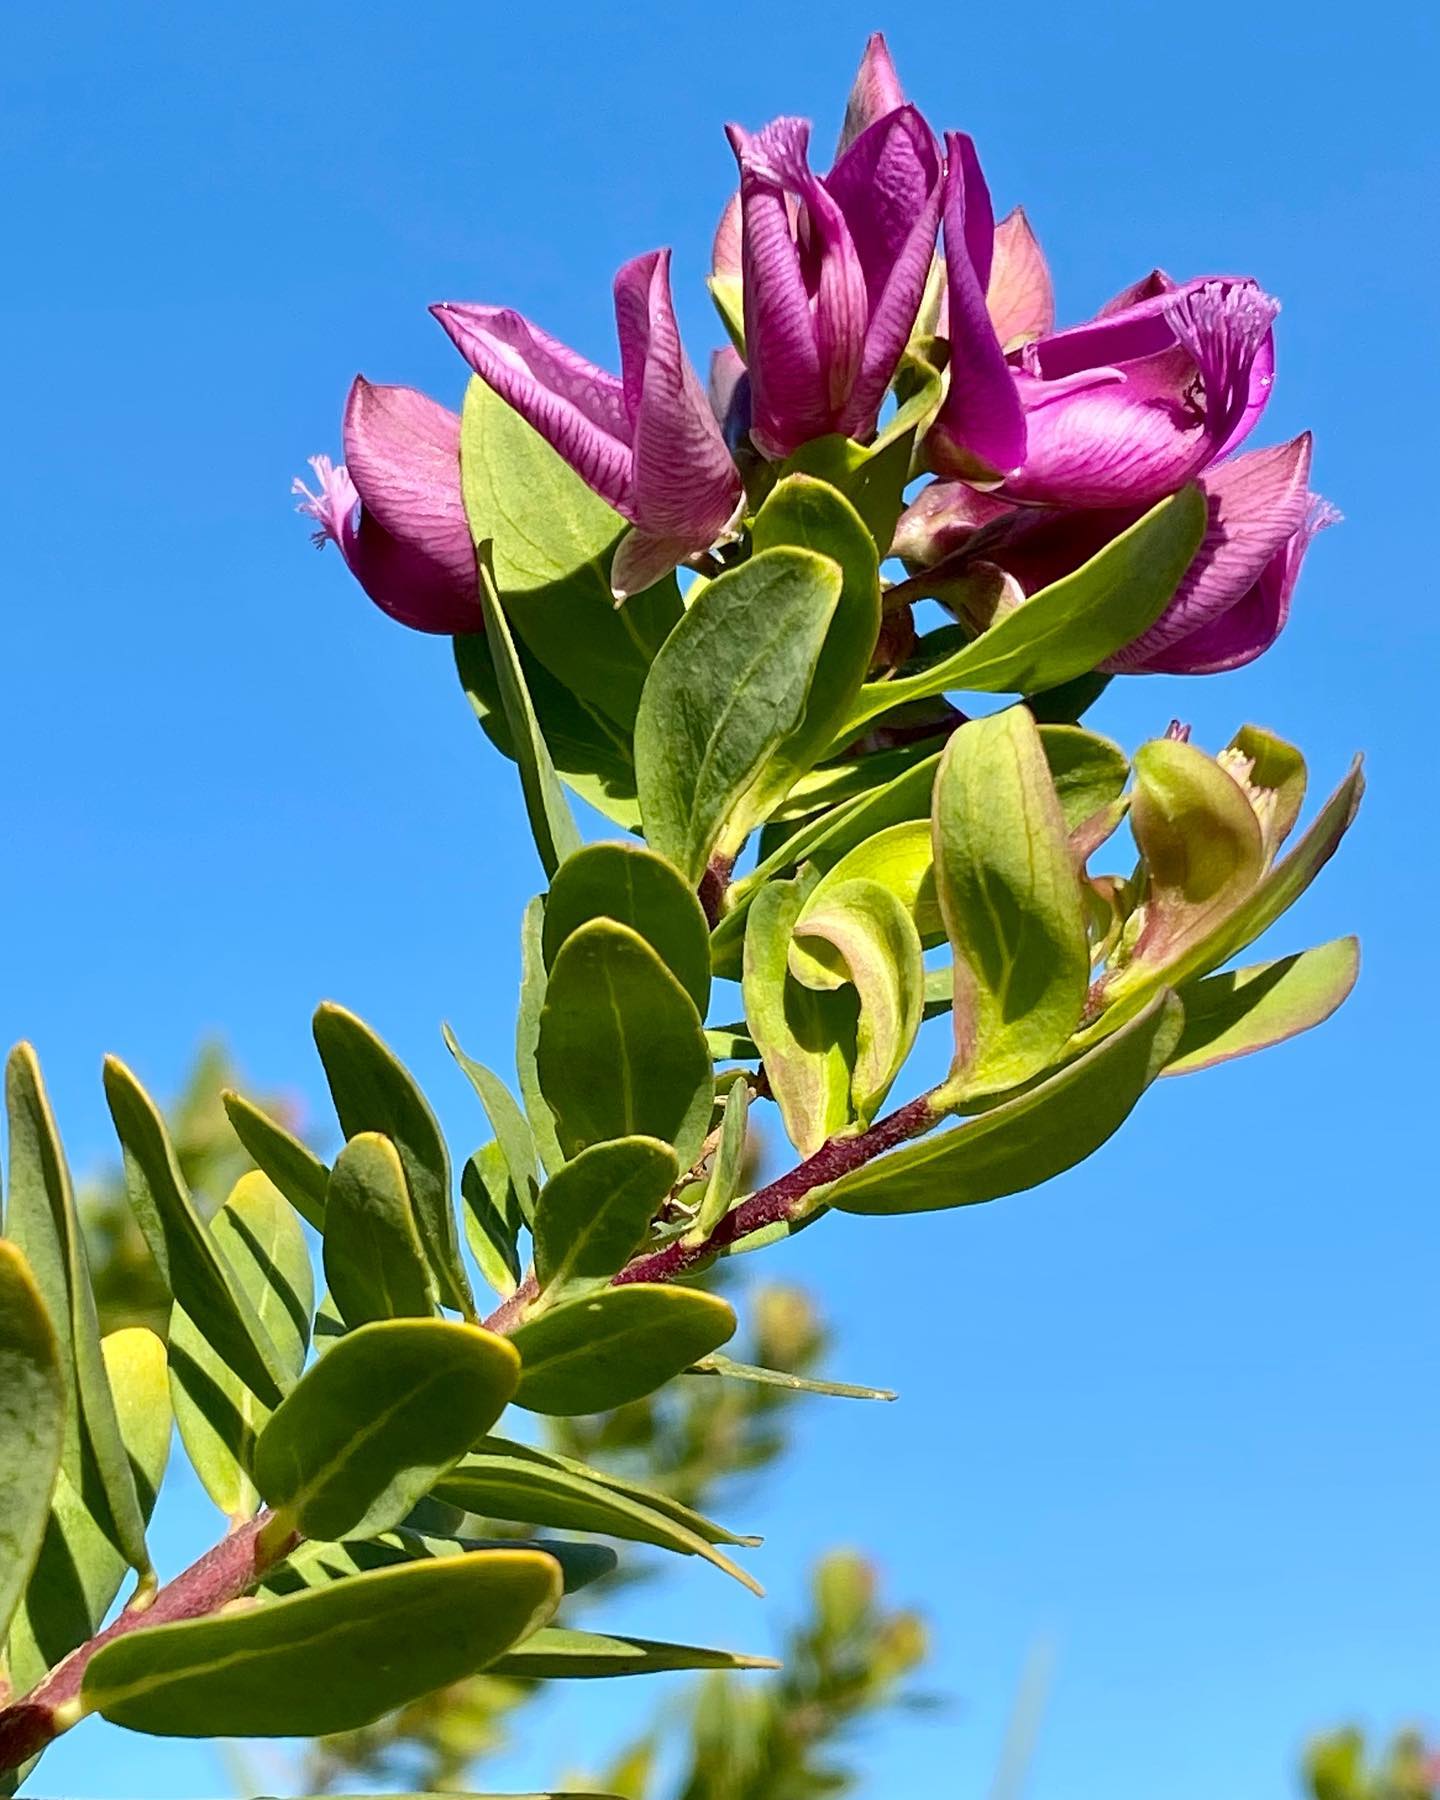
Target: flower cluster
1045, 445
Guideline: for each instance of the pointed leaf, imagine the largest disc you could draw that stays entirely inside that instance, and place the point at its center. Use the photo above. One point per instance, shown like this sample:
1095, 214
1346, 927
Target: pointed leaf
1250, 1009
492, 1218
558, 1655
807, 1039
533, 984
615, 1346
872, 936
189, 1261
551, 823
374, 1260
519, 1483
316, 1564
552, 540
32, 1425
80, 1571
1011, 903
728, 1167
376, 1422
41, 1219
635, 887
595, 1212
1069, 628
374, 1091
782, 1378
219, 1416
324, 1661
621, 1050
728, 687
1025, 1141
294, 1167
507, 1121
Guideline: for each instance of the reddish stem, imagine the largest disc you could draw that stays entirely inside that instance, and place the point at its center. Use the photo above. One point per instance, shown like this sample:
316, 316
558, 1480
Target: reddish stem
222, 1574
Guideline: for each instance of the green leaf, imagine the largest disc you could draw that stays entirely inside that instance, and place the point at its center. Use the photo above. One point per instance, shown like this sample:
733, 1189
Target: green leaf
552, 540
315, 1565
32, 1425
376, 1422
80, 1570
558, 1655
42, 1221
1250, 1009
1025, 1141
806, 1038
507, 1121
595, 1212
618, 1345
592, 754
871, 934
1089, 771
294, 1167
1068, 628
219, 1416
728, 688
374, 1091
806, 514
782, 1378
189, 1261
329, 1660
727, 1169
1011, 902
635, 887
533, 985
374, 1260
621, 1050
900, 859
1201, 842
528, 1486
492, 1218
551, 823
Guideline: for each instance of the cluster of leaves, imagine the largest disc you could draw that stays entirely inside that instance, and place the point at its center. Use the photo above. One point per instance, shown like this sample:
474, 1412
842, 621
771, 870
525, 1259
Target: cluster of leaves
907, 864
1339, 1767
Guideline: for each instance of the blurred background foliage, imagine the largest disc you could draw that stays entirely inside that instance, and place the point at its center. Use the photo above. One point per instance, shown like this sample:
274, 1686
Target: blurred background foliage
853, 1654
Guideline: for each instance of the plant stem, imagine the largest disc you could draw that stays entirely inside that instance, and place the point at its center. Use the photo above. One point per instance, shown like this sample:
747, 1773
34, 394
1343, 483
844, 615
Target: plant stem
222, 1574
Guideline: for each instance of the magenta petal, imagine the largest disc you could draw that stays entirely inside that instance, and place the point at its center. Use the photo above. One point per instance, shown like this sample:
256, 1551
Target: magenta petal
981, 420
641, 560
944, 517
1020, 296
1257, 504
411, 550
726, 251
889, 186
578, 409
1146, 288
686, 487
876, 91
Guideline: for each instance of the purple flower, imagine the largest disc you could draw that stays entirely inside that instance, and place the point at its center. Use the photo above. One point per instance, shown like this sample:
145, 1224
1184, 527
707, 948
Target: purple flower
395, 511
1231, 604
834, 267
645, 440
1116, 412
875, 93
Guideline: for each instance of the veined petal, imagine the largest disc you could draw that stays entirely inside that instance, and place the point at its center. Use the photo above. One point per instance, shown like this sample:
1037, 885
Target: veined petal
686, 486
1020, 297
876, 91
1248, 628
943, 517
578, 409
1258, 502
980, 429
1226, 327
726, 252
805, 301
889, 185
410, 545
729, 391
641, 560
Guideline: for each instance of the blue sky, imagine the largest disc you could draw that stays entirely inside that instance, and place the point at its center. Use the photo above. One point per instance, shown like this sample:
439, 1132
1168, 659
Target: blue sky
1176, 1412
